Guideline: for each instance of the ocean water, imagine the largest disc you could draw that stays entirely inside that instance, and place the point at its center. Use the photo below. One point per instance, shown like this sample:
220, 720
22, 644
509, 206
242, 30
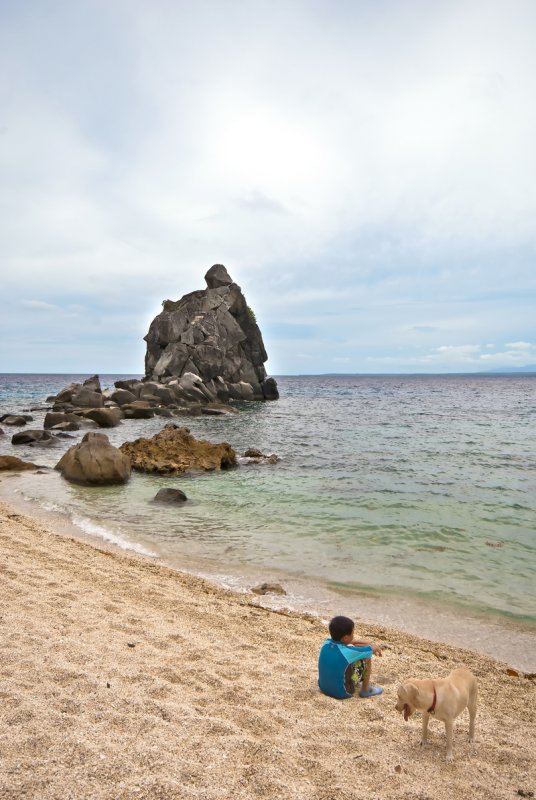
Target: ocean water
400, 496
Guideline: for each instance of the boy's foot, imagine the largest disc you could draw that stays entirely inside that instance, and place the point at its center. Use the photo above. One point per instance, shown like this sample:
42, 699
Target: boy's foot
372, 691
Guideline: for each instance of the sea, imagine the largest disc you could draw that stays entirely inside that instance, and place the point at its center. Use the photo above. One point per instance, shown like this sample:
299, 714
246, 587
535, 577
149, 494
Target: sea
407, 501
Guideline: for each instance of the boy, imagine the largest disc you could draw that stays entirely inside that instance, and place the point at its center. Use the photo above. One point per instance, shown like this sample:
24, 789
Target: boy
345, 662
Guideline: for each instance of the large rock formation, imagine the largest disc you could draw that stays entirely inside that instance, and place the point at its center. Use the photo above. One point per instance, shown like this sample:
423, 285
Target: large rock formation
175, 451
208, 346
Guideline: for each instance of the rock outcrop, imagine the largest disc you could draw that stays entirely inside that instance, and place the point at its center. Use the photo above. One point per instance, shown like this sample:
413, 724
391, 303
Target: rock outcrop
175, 451
208, 346
94, 462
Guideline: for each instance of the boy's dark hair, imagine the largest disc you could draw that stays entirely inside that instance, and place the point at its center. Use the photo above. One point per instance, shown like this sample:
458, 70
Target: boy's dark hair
339, 627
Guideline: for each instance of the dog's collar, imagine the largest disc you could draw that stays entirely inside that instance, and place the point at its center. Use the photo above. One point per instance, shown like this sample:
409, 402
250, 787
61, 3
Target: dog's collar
431, 710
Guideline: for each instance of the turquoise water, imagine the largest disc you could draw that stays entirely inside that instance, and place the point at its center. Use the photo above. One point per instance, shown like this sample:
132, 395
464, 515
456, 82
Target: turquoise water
410, 486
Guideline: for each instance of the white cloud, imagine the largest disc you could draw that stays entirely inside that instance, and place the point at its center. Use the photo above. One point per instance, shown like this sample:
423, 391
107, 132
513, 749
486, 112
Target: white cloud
370, 163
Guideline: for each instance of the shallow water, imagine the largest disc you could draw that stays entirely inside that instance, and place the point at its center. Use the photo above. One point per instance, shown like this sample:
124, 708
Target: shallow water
407, 488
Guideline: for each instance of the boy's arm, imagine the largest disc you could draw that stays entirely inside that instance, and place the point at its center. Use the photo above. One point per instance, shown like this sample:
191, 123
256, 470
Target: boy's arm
374, 647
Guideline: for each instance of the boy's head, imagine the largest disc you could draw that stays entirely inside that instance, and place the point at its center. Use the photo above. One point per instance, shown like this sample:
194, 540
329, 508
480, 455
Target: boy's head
341, 629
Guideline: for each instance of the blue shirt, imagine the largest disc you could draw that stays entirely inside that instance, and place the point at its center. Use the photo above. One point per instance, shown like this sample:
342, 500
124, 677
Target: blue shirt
333, 661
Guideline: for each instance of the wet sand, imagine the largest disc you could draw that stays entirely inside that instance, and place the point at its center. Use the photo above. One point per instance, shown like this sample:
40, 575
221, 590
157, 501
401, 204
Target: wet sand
122, 678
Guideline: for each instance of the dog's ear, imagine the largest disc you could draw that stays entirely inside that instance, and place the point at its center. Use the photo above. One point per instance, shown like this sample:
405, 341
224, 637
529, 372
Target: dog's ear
412, 693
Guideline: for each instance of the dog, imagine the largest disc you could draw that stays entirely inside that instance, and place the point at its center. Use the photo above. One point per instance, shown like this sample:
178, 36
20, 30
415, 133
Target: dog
444, 698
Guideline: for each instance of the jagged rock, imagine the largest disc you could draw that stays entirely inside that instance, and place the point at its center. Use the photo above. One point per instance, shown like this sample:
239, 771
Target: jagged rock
53, 418
16, 419
94, 462
268, 588
16, 464
105, 417
32, 436
208, 342
175, 451
169, 495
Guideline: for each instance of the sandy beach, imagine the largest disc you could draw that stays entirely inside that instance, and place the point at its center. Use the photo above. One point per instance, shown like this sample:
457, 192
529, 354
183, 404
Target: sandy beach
122, 678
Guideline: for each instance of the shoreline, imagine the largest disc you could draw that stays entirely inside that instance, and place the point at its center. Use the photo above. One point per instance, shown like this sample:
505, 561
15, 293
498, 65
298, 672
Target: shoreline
125, 678
510, 641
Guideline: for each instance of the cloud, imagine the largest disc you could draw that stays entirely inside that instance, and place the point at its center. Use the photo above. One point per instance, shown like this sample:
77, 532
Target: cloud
39, 305
365, 171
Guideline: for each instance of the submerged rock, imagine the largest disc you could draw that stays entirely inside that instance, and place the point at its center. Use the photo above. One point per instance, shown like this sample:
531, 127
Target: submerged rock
169, 495
94, 462
175, 451
208, 346
254, 456
268, 588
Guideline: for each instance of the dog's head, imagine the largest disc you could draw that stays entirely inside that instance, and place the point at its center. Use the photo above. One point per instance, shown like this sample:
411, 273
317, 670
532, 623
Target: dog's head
407, 699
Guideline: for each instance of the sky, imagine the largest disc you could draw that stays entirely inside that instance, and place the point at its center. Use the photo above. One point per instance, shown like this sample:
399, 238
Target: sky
366, 171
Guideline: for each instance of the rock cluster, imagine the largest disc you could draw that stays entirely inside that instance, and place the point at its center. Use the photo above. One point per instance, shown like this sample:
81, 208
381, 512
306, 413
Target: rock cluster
129, 399
208, 345
175, 451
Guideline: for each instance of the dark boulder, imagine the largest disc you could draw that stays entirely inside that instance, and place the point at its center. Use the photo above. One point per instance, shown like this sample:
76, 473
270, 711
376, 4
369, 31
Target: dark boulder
54, 418
133, 385
16, 419
87, 398
33, 436
168, 495
105, 417
123, 396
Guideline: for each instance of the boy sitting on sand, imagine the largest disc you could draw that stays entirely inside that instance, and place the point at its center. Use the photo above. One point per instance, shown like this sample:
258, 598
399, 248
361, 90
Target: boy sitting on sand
345, 662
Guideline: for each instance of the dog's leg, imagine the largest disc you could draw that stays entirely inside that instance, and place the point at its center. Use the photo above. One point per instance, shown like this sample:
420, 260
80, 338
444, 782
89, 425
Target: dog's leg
472, 717
448, 729
424, 729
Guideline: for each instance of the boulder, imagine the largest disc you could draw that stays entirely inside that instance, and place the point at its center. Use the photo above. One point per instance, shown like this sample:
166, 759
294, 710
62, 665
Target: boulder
87, 398
138, 410
61, 427
93, 384
33, 436
123, 396
16, 419
54, 418
105, 417
168, 495
94, 462
133, 385
175, 451
8, 463
211, 338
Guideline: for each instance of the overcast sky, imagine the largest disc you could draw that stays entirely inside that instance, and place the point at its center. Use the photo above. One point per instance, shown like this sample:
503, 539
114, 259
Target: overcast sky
366, 171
